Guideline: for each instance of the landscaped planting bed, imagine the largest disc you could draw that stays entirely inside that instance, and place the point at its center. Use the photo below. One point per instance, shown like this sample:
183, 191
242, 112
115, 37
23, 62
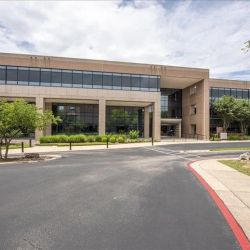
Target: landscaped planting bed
87, 140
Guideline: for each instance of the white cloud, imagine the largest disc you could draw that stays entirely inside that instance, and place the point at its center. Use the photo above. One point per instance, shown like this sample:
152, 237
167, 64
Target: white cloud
193, 34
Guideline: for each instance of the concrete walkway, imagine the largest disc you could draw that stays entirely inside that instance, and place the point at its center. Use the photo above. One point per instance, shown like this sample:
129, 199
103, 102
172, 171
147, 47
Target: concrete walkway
47, 149
231, 186
44, 149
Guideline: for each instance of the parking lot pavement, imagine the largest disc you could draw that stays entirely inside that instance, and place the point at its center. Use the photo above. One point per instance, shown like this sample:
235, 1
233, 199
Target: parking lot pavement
109, 199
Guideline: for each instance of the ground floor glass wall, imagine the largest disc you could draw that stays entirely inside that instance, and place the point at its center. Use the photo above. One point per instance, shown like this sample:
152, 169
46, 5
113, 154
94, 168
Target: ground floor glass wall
76, 118
123, 119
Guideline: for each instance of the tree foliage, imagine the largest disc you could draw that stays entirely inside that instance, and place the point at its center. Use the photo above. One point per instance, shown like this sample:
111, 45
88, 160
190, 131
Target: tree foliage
231, 110
19, 117
247, 46
225, 108
242, 114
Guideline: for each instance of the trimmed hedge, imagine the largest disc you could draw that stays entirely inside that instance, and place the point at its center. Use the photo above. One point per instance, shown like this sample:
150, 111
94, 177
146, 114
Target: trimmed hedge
120, 139
112, 139
104, 139
82, 138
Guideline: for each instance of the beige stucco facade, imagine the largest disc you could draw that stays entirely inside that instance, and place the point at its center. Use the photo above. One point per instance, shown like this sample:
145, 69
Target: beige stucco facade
170, 77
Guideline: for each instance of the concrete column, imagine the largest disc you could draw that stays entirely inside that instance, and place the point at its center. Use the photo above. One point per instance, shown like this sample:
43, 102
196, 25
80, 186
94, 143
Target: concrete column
48, 106
157, 120
39, 104
146, 122
102, 117
177, 130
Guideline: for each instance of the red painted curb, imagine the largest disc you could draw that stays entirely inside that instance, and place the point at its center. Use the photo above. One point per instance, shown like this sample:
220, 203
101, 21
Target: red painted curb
236, 228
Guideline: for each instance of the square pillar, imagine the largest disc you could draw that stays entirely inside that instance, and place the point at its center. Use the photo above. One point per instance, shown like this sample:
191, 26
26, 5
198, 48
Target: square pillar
48, 106
156, 120
39, 104
146, 122
102, 117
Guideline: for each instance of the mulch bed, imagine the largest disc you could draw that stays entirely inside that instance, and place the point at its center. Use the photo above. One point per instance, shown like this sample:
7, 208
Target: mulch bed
27, 159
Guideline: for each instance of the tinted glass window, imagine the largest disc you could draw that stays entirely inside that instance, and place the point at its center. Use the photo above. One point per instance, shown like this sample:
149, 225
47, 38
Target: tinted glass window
107, 80
2, 74
233, 93
239, 93
56, 78
97, 80
245, 94
34, 78
126, 81
45, 77
221, 92
215, 93
227, 91
136, 82
11, 75
66, 78
23, 76
144, 83
117, 81
77, 79
87, 79
153, 83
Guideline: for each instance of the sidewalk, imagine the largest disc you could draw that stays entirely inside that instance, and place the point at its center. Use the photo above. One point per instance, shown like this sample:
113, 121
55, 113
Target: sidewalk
44, 149
48, 149
231, 186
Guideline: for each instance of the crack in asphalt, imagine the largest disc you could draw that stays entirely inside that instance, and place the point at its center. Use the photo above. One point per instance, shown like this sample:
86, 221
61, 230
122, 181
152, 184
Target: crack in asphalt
33, 245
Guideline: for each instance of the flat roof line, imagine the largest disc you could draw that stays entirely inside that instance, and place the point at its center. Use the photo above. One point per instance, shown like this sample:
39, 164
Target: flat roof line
104, 61
229, 80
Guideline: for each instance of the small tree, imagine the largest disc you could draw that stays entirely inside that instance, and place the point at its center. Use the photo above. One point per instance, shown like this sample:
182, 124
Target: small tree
21, 117
247, 47
226, 109
242, 114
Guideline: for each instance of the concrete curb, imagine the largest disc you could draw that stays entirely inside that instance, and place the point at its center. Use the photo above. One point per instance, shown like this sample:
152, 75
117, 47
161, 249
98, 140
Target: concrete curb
217, 179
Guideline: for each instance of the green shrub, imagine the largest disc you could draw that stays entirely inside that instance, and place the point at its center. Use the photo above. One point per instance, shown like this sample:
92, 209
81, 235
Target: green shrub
53, 138
90, 138
123, 136
133, 134
120, 139
63, 138
46, 139
237, 137
98, 138
112, 139
104, 139
77, 138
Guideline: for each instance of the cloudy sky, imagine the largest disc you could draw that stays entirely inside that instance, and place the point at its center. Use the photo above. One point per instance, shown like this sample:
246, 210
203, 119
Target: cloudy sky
206, 34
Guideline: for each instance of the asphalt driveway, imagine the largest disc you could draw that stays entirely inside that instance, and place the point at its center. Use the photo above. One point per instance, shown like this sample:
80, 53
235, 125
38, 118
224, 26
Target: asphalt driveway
109, 199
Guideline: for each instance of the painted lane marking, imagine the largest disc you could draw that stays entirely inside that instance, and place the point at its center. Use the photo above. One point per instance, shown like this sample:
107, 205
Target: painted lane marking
177, 154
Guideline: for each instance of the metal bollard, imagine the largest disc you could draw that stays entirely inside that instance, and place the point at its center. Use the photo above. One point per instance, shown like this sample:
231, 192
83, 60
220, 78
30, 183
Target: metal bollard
152, 141
107, 143
22, 147
30, 144
70, 147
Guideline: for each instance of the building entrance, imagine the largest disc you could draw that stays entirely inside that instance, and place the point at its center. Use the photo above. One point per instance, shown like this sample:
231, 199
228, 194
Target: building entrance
167, 130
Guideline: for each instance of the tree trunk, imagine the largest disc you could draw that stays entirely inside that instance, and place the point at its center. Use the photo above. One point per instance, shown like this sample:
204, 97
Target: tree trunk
7, 143
243, 128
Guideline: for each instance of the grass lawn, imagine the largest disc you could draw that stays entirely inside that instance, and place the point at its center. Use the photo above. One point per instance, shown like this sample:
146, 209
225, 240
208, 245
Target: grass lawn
14, 146
63, 144
243, 167
229, 149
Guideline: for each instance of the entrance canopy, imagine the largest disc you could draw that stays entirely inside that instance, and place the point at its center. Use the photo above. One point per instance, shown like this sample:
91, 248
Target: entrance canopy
177, 82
